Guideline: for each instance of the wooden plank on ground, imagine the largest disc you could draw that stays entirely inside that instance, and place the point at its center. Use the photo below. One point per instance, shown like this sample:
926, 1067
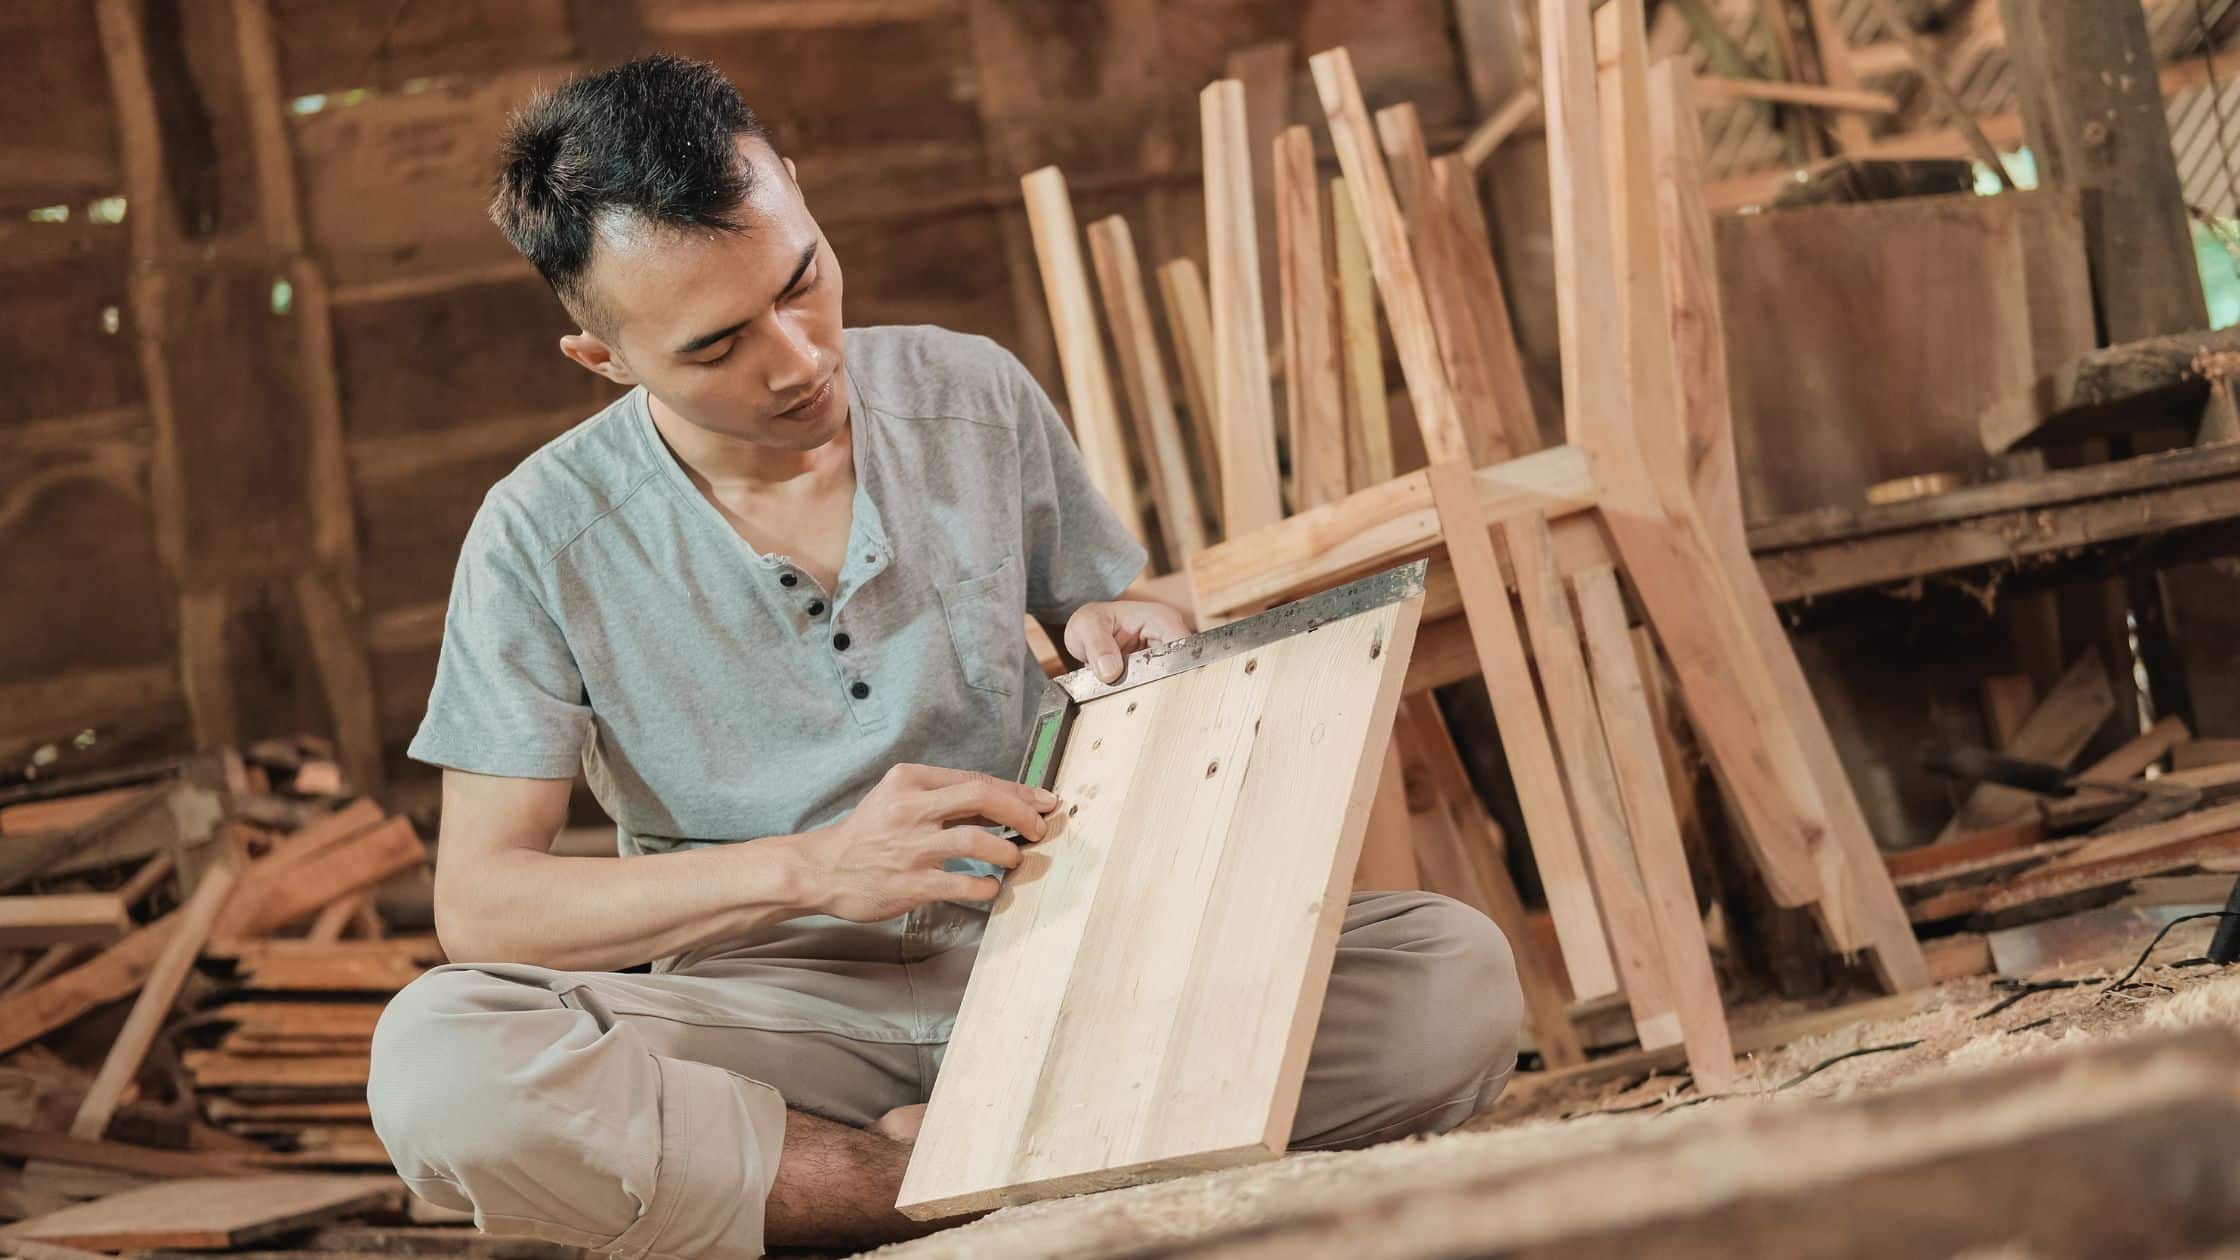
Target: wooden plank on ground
17, 1142
1313, 374
62, 919
64, 813
205, 1213
273, 896
1368, 422
345, 966
214, 1069
1596, 801
1065, 284
1158, 436
1251, 484
2200, 754
1524, 734
1391, 259
1144, 1009
1630, 727
153, 1006
116, 971
2055, 732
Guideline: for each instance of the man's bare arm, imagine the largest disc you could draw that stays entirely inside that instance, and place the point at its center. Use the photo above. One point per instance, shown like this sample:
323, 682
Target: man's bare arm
501, 896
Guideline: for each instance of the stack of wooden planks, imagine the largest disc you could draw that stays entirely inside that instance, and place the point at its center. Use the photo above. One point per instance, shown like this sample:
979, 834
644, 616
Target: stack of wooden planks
192, 957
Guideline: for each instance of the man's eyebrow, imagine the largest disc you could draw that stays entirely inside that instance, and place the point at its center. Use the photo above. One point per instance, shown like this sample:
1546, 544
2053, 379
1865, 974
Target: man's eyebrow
706, 339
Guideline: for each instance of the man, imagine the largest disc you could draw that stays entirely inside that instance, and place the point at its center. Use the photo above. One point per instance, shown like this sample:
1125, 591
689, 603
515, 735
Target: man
775, 594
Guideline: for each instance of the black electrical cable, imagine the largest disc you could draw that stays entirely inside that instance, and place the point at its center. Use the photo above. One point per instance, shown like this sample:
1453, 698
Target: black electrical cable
2148, 952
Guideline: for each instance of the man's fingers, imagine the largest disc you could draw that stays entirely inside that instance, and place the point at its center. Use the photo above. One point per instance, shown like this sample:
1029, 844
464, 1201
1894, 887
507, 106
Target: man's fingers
1091, 637
954, 886
980, 843
1013, 805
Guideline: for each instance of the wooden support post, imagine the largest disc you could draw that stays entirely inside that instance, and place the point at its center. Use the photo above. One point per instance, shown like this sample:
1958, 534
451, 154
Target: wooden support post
157, 993
1406, 308
1065, 282
1488, 384
1182, 291
1524, 732
1143, 372
1629, 724
1368, 422
1251, 483
1427, 745
1595, 797
1313, 376
2094, 114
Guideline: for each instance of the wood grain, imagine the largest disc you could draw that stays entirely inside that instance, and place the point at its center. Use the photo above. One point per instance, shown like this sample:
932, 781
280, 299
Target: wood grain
1182, 292
1313, 375
1153, 972
208, 1212
62, 919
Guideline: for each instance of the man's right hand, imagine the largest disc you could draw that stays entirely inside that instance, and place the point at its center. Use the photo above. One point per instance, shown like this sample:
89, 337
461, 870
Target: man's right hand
885, 858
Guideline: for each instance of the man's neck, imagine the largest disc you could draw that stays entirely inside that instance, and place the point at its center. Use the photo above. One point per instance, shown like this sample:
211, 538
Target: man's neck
716, 459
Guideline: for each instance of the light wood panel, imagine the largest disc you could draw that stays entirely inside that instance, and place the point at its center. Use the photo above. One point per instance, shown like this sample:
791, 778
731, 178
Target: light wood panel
1313, 376
208, 1212
1547, 810
1251, 485
1158, 434
1065, 283
1153, 972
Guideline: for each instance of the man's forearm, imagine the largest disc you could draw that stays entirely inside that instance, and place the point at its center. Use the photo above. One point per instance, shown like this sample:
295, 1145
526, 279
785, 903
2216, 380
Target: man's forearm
603, 914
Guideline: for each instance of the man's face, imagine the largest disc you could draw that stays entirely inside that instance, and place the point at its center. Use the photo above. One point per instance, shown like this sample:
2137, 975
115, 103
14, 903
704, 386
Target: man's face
736, 332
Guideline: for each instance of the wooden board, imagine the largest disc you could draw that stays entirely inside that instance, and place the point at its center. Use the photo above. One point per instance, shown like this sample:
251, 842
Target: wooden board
1158, 436
153, 1005
1251, 485
1090, 405
1182, 293
2055, 732
1314, 382
1152, 974
207, 1212
1368, 422
62, 918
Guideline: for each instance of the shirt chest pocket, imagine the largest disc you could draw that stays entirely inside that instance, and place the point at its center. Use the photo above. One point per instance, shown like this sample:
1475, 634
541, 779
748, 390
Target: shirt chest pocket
986, 617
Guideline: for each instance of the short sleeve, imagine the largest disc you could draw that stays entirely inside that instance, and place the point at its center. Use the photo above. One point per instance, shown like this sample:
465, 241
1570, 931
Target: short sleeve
1077, 550
508, 699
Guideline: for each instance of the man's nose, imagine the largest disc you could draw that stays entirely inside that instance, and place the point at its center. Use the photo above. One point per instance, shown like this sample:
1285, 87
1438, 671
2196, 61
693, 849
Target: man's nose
796, 365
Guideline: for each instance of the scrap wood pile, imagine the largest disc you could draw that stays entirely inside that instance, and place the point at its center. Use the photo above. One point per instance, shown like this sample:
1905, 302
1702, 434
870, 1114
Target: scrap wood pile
192, 958
2077, 861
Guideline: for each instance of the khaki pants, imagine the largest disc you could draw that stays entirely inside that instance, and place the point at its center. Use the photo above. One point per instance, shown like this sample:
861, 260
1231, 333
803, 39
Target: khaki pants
644, 1114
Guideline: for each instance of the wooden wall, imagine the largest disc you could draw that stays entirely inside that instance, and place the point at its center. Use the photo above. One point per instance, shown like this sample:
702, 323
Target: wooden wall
246, 426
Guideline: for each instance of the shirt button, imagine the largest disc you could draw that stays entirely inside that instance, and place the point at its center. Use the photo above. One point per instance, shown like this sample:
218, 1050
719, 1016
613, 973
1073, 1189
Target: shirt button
860, 690
841, 641
816, 608
787, 579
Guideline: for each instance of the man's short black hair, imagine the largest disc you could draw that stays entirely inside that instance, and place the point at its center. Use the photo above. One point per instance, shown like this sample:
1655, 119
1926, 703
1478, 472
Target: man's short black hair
652, 140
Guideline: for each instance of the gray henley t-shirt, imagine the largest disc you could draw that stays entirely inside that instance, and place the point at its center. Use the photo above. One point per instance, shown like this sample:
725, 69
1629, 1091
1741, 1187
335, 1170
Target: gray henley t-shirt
605, 614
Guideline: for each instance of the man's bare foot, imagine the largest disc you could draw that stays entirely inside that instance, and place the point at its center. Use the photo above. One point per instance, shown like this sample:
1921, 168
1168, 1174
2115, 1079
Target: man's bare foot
901, 1124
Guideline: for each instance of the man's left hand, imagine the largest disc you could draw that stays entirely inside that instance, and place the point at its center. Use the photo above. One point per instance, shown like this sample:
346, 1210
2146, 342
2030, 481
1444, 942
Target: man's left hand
1103, 634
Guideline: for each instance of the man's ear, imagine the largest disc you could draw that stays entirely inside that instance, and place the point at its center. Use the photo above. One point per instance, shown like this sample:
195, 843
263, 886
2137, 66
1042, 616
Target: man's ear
790, 172
598, 357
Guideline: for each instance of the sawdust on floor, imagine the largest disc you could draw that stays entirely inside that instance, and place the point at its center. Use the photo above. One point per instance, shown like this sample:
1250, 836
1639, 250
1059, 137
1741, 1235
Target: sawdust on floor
1956, 1031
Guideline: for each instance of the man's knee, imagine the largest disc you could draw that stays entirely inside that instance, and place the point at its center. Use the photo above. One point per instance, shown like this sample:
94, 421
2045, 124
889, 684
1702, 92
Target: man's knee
437, 1088
1468, 990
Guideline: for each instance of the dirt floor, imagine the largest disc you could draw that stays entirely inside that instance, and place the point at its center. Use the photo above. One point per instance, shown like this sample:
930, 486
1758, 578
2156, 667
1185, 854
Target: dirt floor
1966, 1026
